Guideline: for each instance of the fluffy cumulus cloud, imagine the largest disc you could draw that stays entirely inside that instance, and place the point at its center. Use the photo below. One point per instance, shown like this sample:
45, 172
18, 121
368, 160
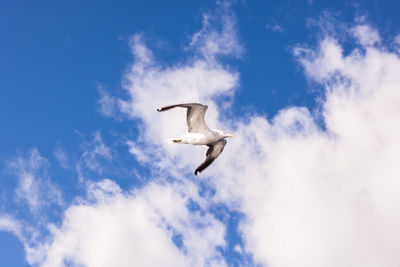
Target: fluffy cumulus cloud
152, 226
310, 195
329, 197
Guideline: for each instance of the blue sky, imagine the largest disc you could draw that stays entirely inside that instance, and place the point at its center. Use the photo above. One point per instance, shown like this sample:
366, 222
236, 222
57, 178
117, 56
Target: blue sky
309, 88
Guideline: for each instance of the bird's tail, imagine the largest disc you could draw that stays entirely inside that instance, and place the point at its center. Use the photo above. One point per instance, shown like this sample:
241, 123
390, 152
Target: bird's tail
173, 140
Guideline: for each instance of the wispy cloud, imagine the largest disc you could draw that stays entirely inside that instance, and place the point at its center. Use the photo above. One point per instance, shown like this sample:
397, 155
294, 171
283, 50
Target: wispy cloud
366, 35
397, 43
34, 186
95, 152
135, 150
274, 27
9, 224
107, 104
218, 36
397, 39
62, 157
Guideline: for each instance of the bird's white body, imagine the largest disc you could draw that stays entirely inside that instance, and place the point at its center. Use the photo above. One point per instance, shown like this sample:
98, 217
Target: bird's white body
198, 138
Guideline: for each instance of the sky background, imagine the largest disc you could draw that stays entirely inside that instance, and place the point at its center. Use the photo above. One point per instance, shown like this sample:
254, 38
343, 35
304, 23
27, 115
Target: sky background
309, 88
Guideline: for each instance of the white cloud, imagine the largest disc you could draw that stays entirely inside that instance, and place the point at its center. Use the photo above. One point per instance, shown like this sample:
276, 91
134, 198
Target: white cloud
323, 198
107, 104
62, 157
218, 36
112, 228
28, 190
366, 35
137, 152
397, 43
9, 224
397, 39
34, 187
95, 151
100, 148
274, 27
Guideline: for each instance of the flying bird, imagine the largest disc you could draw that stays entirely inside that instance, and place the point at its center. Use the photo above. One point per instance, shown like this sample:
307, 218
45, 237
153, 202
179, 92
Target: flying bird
199, 134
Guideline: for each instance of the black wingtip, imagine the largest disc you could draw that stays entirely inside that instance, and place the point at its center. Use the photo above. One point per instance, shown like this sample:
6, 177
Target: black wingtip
159, 109
196, 172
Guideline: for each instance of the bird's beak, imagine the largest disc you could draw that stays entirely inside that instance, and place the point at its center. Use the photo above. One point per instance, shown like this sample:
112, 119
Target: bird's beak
230, 135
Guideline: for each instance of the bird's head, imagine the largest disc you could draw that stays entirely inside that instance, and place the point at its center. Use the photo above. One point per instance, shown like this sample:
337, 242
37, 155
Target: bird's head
226, 134
222, 134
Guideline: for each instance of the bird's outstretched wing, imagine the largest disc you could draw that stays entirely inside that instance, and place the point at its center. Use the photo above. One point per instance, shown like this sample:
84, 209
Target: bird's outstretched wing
194, 116
214, 150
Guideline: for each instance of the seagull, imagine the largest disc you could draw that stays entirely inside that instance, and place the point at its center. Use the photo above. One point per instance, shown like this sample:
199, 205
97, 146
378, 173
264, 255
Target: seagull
199, 134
